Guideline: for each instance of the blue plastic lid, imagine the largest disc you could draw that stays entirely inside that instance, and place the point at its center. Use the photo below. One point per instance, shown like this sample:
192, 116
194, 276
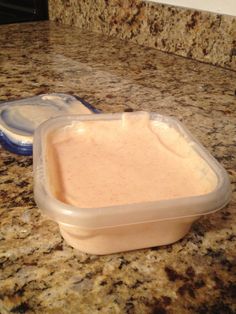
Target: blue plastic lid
20, 118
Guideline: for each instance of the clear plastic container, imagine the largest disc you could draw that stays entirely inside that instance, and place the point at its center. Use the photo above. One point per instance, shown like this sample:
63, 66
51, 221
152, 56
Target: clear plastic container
116, 228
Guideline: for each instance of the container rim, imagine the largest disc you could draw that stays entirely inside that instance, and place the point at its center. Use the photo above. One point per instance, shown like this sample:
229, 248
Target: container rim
112, 216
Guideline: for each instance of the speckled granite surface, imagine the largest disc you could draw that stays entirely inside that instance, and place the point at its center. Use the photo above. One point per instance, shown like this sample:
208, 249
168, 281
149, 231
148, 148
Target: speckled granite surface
199, 35
39, 272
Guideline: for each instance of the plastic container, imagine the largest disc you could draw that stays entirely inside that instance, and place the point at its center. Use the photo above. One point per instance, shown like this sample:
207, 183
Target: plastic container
20, 118
111, 229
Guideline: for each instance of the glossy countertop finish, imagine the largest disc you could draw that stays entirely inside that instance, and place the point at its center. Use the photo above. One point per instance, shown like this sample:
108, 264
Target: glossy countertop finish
196, 34
39, 272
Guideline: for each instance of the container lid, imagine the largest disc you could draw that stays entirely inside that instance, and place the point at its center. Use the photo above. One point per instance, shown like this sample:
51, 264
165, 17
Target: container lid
20, 118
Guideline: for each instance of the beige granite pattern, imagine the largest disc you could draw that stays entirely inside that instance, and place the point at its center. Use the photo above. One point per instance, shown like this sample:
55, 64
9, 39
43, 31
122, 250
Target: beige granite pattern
39, 272
200, 35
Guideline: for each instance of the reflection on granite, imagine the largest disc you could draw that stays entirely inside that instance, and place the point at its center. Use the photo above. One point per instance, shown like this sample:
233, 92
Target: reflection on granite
200, 35
39, 272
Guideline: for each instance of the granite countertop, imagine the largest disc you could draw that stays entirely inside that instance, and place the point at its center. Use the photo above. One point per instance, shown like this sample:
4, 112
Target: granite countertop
39, 272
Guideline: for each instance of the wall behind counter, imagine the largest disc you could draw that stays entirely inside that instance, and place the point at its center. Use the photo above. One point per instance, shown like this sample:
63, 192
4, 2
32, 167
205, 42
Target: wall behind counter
196, 34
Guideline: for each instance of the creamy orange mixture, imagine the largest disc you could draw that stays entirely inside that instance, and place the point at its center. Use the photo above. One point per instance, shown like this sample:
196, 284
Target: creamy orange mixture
133, 160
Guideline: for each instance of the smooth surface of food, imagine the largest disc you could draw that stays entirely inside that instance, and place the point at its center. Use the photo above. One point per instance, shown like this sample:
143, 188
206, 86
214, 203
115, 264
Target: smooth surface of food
116, 162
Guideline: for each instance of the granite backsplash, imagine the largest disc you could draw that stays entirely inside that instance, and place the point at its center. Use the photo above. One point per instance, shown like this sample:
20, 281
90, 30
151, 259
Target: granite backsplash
200, 35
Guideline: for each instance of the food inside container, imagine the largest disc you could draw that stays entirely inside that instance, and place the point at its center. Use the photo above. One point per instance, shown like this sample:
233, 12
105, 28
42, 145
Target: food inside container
118, 182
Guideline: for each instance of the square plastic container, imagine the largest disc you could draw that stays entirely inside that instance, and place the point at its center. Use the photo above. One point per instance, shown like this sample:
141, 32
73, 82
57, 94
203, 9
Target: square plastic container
111, 229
